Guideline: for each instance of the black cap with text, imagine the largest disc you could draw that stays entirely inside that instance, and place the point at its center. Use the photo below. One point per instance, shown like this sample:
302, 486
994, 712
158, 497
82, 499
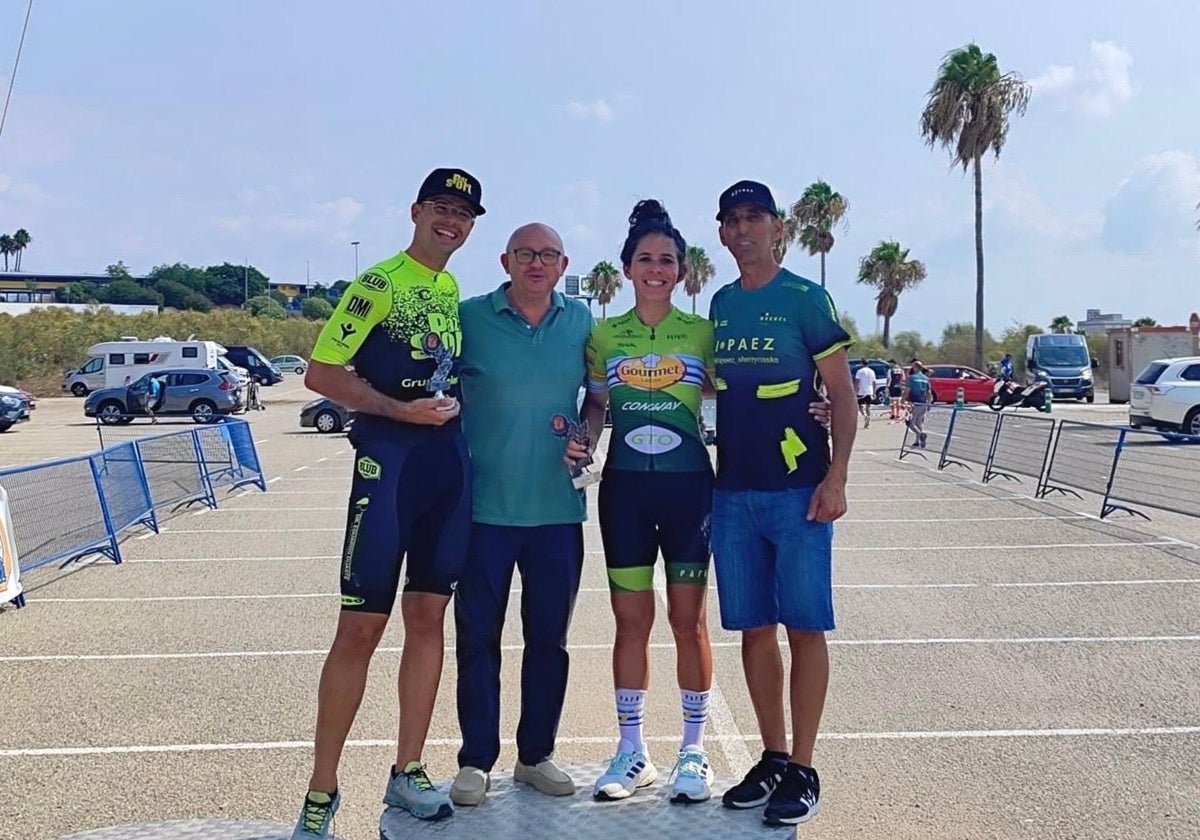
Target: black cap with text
746, 192
455, 182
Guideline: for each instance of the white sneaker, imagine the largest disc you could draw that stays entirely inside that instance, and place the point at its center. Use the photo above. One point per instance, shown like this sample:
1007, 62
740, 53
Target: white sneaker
692, 777
470, 786
628, 771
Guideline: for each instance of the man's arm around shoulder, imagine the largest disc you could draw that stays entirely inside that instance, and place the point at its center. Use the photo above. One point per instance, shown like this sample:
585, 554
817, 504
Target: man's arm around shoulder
829, 500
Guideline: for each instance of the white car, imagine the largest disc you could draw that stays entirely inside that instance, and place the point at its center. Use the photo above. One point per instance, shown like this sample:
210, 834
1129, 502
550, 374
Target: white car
292, 363
1166, 395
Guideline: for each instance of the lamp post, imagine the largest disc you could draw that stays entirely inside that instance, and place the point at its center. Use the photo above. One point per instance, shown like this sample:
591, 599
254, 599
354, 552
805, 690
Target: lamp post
355, 243
245, 284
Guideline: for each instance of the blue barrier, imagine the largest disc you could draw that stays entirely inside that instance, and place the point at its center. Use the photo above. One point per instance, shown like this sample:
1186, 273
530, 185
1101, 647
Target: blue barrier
71, 508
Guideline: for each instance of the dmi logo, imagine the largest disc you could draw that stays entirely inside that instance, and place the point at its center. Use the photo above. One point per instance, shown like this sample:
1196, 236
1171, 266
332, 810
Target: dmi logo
359, 307
652, 440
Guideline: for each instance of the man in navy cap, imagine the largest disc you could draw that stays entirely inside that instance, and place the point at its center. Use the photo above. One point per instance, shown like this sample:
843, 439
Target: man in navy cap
397, 325
778, 491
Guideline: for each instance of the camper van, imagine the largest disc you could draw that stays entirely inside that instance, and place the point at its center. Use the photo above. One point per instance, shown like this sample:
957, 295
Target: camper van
110, 362
1065, 361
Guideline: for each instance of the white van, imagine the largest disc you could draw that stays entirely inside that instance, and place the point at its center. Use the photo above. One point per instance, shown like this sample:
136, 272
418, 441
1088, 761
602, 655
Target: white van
110, 362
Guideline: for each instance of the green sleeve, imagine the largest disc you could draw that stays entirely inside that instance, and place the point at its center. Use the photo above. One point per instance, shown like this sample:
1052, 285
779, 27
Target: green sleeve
597, 361
364, 304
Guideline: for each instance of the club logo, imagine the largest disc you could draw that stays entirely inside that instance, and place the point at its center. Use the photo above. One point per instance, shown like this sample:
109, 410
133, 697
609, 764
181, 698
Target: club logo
374, 282
369, 469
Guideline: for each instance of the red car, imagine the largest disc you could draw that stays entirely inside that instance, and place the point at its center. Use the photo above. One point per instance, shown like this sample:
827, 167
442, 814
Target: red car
947, 379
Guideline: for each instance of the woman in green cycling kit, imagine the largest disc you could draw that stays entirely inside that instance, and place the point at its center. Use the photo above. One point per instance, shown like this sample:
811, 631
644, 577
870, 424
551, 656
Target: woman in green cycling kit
651, 364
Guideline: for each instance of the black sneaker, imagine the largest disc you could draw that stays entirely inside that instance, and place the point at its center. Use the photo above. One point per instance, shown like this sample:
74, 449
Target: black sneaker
796, 799
756, 787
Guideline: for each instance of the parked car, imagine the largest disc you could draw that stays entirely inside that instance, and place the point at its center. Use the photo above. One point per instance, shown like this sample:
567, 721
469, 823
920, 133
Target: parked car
12, 411
325, 416
203, 395
945, 380
254, 362
1166, 395
25, 403
881, 369
708, 421
296, 364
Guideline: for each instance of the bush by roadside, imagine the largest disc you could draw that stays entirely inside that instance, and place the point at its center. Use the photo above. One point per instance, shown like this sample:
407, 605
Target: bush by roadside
35, 348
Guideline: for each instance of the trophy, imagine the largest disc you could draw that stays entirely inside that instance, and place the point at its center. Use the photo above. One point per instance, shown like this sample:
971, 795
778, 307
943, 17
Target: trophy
567, 429
439, 380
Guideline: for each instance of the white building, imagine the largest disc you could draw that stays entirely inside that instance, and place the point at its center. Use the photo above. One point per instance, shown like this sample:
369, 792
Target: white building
1099, 323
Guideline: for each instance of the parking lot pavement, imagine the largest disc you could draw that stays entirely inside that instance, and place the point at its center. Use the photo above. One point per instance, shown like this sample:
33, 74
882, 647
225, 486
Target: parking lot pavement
1004, 667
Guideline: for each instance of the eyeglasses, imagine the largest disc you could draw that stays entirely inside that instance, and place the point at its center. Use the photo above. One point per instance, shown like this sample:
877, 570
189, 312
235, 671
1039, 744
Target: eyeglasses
525, 256
445, 210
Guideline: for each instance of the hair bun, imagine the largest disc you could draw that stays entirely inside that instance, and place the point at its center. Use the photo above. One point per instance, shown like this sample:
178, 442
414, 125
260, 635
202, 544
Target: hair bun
649, 210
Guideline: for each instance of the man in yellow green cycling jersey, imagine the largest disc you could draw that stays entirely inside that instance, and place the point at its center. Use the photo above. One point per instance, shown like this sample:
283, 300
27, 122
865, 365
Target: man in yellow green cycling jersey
397, 324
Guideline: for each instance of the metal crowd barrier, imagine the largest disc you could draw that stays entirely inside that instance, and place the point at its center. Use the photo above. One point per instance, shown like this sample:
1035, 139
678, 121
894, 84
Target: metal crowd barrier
70, 508
1128, 468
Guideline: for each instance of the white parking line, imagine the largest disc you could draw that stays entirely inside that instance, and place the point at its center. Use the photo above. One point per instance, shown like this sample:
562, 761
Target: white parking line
1005, 547
915, 735
604, 590
219, 559
607, 646
246, 530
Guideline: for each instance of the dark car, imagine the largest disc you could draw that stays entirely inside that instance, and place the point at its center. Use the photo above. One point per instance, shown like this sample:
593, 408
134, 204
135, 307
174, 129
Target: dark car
204, 395
255, 363
325, 416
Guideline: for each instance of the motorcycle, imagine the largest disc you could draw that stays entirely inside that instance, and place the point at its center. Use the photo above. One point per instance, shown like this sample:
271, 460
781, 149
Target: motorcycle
1013, 394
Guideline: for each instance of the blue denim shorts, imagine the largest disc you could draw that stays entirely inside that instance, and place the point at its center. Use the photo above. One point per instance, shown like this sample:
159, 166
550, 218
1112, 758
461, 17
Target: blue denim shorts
773, 566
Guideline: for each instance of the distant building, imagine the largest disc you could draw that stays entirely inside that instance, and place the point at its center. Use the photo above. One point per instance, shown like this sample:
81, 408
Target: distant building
29, 287
1099, 323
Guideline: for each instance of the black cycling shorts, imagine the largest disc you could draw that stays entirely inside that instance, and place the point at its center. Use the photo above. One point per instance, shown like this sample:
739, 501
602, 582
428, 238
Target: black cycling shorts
642, 513
407, 499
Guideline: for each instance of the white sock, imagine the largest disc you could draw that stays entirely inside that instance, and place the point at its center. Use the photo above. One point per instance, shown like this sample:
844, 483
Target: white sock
695, 715
631, 704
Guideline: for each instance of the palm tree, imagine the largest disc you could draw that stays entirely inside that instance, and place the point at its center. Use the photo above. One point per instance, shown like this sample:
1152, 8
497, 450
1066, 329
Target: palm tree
1061, 325
815, 214
603, 283
889, 270
21, 240
1145, 321
7, 246
700, 271
968, 108
791, 230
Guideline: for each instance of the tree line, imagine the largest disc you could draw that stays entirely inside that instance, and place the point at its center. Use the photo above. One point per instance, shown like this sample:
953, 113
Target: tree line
187, 288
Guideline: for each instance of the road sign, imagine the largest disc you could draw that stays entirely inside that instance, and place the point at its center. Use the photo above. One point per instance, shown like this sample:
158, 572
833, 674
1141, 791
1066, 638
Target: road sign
572, 285
1194, 324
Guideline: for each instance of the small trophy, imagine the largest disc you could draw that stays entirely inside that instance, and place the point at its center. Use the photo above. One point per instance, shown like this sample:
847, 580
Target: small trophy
565, 428
439, 380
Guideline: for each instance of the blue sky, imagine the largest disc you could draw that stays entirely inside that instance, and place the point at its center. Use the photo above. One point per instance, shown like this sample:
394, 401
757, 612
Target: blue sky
155, 132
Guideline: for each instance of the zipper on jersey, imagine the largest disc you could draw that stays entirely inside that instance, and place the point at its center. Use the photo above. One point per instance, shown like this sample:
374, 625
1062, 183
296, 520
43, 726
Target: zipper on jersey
653, 402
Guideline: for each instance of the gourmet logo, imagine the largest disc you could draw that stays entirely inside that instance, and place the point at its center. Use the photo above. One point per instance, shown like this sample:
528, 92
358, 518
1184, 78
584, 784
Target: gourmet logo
650, 372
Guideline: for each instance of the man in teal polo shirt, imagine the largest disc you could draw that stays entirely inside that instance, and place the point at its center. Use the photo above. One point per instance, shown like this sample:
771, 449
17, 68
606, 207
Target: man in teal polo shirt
522, 364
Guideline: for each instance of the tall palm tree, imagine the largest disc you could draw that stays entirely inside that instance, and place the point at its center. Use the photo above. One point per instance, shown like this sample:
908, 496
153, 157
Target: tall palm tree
791, 230
700, 271
7, 246
889, 270
1061, 324
968, 108
21, 240
603, 283
818, 210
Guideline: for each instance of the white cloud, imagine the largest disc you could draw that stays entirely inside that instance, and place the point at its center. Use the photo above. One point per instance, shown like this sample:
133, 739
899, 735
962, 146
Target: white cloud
584, 192
1094, 90
327, 220
598, 110
1155, 206
1015, 198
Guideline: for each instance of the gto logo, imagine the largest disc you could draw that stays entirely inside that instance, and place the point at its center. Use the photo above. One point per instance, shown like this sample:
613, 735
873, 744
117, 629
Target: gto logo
458, 182
652, 440
650, 372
